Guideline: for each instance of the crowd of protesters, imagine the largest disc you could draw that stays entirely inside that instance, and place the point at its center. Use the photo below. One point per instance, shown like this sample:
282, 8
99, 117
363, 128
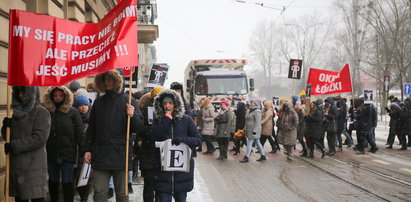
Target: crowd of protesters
51, 141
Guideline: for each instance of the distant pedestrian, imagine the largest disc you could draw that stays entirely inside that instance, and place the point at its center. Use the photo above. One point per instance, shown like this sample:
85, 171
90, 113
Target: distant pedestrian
207, 125
301, 127
172, 123
330, 123
253, 131
267, 125
314, 121
240, 113
29, 130
364, 125
223, 128
287, 124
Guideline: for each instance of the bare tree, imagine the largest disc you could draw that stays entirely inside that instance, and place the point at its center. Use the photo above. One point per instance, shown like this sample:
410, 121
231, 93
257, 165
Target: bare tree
391, 21
305, 39
264, 49
353, 37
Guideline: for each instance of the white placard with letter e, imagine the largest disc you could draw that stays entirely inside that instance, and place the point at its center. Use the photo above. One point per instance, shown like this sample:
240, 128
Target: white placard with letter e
176, 157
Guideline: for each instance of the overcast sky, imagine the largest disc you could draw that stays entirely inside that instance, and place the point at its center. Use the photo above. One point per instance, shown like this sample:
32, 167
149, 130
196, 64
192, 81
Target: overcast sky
207, 29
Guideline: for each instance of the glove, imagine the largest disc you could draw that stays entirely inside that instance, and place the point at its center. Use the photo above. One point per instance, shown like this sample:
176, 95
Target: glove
7, 148
176, 141
7, 122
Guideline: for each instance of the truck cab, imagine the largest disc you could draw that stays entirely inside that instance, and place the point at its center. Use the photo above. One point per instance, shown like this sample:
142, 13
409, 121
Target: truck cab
216, 79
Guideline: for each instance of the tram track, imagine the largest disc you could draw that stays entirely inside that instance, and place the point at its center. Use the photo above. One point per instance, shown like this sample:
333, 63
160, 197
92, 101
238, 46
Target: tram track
354, 184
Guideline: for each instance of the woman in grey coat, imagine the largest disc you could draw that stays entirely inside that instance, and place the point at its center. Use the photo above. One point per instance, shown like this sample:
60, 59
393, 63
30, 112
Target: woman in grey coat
30, 127
207, 125
223, 128
253, 131
287, 123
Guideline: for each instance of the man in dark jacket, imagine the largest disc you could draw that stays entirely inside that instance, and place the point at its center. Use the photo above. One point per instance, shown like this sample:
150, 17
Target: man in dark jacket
364, 126
393, 121
66, 136
172, 123
106, 135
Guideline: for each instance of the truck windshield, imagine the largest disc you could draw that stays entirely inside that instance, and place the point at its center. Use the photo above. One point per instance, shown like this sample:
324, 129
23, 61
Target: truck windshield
218, 85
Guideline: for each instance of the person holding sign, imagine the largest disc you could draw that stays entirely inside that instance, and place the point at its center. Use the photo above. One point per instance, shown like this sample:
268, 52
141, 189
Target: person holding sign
30, 128
171, 123
105, 145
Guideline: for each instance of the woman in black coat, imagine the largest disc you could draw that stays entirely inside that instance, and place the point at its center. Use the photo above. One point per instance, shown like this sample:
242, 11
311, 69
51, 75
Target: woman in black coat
239, 125
314, 125
66, 136
171, 123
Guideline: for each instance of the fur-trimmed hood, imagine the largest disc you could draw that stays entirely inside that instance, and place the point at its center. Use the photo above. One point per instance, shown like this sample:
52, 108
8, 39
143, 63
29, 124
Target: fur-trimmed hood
289, 106
31, 99
67, 103
144, 100
178, 104
118, 81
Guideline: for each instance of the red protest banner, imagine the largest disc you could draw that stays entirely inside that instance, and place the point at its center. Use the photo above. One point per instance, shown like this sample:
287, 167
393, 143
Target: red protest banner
50, 51
325, 82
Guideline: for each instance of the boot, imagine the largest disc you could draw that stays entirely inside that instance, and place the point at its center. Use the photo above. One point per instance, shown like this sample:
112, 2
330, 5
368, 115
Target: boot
68, 192
304, 153
54, 191
373, 150
130, 188
236, 152
83, 193
404, 147
245, 160
262, 158
311, 154
322, 152
110, 192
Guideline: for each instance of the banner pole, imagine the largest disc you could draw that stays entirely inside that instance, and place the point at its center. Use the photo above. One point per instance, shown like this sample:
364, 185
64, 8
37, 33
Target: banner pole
352, 88
292, 93
128, 130
6, 197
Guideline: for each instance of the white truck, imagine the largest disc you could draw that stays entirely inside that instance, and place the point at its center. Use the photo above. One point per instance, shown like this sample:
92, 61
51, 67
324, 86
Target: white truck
216, 79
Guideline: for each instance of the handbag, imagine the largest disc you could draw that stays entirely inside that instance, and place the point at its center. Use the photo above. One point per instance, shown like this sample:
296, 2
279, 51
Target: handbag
239, 135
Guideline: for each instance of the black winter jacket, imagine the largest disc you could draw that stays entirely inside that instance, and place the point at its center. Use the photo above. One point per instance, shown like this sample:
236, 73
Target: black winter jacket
66, 133
106, 134
182, 127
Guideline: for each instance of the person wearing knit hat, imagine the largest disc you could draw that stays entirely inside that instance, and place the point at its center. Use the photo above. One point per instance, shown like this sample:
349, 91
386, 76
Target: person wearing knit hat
155, 91
81, 100
83, 106
224, 102
74, 85
223, 128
